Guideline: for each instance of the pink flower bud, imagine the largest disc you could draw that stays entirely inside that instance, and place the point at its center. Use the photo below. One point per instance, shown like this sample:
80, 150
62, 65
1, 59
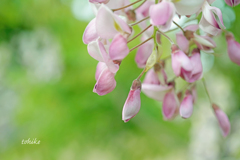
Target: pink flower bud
90, 33
233, 49
118, 49
232, 3
222, 120
99, 1
161, 14
170, 105
186, 107
204, 43
105, 80
197, 70
180, 61
144, 9
133, 102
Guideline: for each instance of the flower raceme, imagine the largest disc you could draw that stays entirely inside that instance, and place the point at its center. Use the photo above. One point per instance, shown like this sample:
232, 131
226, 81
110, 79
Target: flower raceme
108, 36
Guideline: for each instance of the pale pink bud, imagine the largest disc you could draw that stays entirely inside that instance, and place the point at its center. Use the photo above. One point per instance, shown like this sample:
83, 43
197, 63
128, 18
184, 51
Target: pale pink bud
186, 107
170, 105
105, 80
208, 22
143, 53
133, 102
232, 3
118, 49
180, 61
222, 120
197, 69
161, 14
99, 1
233, 49
90, 33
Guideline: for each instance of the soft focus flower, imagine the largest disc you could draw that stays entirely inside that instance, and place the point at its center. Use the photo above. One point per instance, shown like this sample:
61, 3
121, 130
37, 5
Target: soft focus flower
186, 107
180, 62
233, 48
133, 102
170, 105
222, 120
153, 87
97, 50
105, 80
208, 22
188, 7
161, 15
118, 49
232, 3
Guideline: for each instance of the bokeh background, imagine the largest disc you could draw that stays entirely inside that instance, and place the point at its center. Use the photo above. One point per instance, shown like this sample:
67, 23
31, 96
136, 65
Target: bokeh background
46, 83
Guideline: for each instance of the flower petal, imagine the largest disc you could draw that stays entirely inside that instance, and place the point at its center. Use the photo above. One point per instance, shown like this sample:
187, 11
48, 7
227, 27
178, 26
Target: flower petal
186, 107
118, 49
90, 33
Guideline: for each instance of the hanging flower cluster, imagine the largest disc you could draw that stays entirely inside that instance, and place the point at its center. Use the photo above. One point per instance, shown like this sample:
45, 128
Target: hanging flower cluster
109, 33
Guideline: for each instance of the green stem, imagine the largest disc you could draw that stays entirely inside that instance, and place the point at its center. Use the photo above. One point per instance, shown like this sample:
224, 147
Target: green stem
126, 6
205, 86
140, 44
139, 33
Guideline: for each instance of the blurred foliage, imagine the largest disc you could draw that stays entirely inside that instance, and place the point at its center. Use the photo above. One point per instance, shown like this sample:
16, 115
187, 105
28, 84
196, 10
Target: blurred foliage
69, 119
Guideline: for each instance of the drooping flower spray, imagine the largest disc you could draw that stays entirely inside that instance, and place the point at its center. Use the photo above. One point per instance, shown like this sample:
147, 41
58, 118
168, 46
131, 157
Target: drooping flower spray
110, 32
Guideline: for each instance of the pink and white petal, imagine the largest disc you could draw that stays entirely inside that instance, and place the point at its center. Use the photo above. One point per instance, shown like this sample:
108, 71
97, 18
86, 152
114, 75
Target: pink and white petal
222, 120
124, 27
236, 2
156, 92
160, 13
132, 105
109, 62
208, 28
204, 40
188, 7
234, 51
184, 60
144, 9
186, 107
94, 50
192, 27
182, 42
118, 49
105, 83
106, 16
151, 78
90, 33
143, 53
100, 67
170, 104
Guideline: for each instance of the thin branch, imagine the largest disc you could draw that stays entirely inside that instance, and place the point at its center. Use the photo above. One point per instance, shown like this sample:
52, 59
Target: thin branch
133, 24
205, 86
139, 33
126, 6
178, 26
141, 74
141, 44
166, 37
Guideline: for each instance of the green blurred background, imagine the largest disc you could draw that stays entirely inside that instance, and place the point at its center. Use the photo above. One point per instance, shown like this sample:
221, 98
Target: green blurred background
46, 83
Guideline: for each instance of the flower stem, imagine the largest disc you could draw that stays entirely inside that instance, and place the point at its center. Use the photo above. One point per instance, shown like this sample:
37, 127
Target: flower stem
133, 24
117, 9
140, 44
139, 33
170, 40
205, 86
141, 74
178, 26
